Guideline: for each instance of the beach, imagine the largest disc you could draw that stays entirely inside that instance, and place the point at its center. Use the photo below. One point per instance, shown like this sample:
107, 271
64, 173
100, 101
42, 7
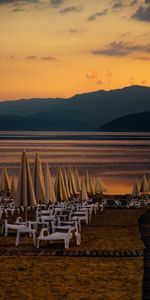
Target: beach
102, 267
47, 277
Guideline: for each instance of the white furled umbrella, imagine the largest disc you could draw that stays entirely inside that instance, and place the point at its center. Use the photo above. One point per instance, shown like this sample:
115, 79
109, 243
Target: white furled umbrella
60, 189
91, 186
5, 180
135, 190
87, 182
103, 186
25, 191
78, 180
144, 188
71, 182
49, 187
99, 186
66, 182
83, 193
38, 180
13, 191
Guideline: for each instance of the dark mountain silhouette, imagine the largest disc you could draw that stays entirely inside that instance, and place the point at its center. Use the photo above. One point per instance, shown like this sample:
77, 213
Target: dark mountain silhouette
135, 123
13, 122
94, 109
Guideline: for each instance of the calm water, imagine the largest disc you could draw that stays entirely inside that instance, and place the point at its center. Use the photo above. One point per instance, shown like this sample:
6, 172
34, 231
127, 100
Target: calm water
117, 158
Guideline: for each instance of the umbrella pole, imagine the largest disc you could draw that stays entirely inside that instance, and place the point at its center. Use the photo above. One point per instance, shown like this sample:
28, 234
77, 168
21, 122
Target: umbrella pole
26, 215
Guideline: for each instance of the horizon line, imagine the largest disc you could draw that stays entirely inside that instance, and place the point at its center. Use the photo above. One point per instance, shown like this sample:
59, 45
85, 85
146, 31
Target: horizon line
67, 98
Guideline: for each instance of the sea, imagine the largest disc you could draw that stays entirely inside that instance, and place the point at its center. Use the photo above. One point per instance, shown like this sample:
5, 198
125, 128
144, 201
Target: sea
116, 157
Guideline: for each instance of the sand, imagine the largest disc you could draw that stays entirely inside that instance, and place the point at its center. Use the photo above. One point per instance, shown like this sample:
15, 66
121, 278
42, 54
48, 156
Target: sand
83, 278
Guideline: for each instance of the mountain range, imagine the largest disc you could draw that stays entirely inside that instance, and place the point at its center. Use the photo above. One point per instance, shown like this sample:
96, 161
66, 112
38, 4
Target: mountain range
139, 122
81, 112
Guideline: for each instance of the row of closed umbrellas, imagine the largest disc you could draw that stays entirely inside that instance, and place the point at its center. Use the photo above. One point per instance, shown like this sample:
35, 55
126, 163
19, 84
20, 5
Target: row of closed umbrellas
143, 188
40, 187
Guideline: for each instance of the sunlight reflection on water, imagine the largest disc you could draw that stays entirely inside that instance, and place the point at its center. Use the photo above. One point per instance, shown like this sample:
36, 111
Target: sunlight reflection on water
118, 158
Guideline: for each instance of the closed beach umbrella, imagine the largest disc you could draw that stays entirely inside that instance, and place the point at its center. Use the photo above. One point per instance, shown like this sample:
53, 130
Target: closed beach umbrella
71, 182
99, 186
13, 191
91, 186
103, 186
87, 182
60, 189
136, 190
25, 191
49, 187
83, 193
5, 180
66, 182
38, 180
144, 185
78, 180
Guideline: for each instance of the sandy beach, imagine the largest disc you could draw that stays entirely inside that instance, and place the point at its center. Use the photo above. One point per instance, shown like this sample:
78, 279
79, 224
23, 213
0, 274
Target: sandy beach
46, 277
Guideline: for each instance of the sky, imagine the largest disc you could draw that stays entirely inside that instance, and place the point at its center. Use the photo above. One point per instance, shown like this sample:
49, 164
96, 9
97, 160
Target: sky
58, 48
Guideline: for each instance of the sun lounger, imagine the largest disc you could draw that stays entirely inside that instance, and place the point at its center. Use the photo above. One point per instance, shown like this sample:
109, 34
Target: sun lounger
56, 236
28, 228
8, 226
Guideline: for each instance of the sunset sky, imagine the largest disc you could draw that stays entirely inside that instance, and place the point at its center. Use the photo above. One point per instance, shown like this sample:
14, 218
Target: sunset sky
59, 48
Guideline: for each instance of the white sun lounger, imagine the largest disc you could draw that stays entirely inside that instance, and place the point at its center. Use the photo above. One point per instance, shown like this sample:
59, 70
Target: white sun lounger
56, 236
28, 228
12, 227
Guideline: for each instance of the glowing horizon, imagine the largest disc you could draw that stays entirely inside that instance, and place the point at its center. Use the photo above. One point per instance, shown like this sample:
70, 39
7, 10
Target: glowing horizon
59, 48
68, 97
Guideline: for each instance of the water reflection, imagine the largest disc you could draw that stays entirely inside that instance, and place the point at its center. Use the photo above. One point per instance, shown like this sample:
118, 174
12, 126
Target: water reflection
118, 158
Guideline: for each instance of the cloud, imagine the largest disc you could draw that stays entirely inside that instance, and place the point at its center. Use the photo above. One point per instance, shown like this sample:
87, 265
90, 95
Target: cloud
121, 49
92, 75
12, 56
142, 14
18, 9
144, 82
56, 3
70, 9
125, 34
48, 58
73, 31
117, 5
143, 58
101, 13
43, 58
133, 2
76, 31
147, 49
31, 57
99, 82
18, 1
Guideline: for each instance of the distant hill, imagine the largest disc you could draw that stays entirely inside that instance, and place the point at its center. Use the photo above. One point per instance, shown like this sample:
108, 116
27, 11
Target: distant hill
13, 122
92, 109
134, 123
